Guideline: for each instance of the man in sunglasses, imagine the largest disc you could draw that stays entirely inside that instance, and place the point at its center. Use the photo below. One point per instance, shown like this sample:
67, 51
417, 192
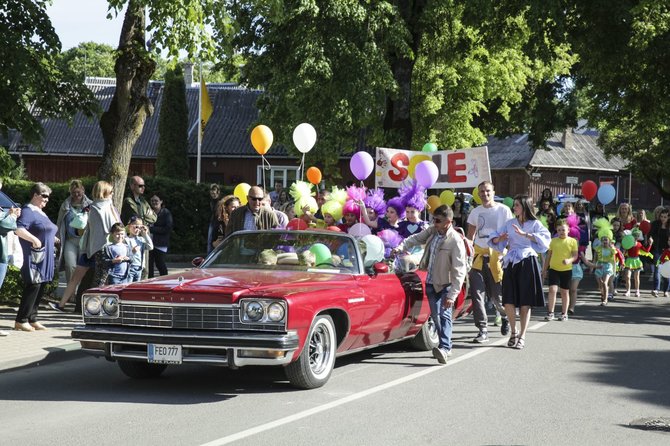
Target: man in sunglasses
134, 204
252, 216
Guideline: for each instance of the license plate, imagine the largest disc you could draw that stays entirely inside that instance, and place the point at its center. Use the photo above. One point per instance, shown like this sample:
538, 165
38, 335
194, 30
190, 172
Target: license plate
164, 353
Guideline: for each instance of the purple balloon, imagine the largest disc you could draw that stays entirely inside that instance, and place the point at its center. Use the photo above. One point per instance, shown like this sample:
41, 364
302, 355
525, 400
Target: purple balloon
426, 173
361, 165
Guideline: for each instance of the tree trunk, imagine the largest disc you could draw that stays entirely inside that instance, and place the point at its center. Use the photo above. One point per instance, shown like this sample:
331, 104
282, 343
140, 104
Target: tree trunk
122, 124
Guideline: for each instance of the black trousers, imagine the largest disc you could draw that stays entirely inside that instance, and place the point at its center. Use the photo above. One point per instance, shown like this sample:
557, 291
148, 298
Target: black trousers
157, 257
30, 302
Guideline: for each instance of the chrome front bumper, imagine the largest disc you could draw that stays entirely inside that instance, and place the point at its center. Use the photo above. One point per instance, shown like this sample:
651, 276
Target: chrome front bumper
232, 349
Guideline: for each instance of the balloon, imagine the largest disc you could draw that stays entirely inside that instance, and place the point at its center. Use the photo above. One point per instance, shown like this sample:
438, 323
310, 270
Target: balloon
361, 165
433, 203
359, 230
589, 189
374, 250
321, 253
447, 197
664, 269
606, 193
559, 208
509, 202
261, 139
475, 195
304, 137
314, 175
416, 159
296, 224
627, 242
645, 227
241, 191
426, 174
334, 229
429, 147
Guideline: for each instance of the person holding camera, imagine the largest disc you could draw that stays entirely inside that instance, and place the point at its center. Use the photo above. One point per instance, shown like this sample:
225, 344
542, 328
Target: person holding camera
139, 242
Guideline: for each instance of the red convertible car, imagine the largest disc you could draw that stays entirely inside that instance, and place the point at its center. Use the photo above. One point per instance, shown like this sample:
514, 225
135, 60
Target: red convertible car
295, 299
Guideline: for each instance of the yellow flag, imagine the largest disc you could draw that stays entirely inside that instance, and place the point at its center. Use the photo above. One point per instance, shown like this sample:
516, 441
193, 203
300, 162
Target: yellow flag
205, 107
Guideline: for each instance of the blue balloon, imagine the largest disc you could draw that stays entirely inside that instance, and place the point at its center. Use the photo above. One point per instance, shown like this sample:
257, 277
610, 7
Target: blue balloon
559, 208
606, 194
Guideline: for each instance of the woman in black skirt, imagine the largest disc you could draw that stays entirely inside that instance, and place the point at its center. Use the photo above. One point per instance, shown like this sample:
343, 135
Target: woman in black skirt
524, 237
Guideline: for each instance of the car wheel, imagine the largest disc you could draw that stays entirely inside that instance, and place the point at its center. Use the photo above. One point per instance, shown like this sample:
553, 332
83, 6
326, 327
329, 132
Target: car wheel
427, 338
141, 370
315, 364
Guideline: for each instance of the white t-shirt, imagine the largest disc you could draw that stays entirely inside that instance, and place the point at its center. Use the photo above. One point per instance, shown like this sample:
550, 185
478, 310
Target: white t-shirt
487, 221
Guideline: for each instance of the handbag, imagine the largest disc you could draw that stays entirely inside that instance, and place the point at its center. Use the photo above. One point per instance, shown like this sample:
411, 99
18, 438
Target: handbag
80, 220
36, 258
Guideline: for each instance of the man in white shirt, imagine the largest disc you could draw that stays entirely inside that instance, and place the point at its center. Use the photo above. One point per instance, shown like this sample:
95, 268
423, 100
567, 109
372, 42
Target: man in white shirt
485, 277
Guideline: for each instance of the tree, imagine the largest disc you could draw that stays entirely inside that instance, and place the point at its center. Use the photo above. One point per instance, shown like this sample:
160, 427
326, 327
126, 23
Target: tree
174, 25
624, 74
32, 84
173, 128
89, 59
406, 72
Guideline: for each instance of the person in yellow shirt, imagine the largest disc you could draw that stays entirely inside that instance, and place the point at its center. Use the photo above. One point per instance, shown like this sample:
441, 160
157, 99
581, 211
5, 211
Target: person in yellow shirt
563, 251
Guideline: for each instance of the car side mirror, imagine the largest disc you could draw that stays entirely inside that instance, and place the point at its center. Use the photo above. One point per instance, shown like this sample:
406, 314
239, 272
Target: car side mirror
197, 261
380, 268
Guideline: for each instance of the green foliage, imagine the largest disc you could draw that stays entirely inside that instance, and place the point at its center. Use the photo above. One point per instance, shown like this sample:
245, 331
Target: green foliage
33, 86
12, 287
172, 151
9, 168
89, 59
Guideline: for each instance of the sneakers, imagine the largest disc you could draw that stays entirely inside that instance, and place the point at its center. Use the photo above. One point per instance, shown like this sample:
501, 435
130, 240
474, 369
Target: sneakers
654, 293
504, 328
637, 294
482, 337
563, 317
498, 321
440, 355
665, 294
549, 317
627, 294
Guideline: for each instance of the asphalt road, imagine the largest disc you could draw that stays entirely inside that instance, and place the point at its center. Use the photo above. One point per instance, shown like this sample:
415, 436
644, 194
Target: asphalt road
577, 382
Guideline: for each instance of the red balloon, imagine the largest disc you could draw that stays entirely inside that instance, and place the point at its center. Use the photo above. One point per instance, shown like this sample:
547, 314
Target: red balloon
334, 228
296, 224
645, 227
589, 189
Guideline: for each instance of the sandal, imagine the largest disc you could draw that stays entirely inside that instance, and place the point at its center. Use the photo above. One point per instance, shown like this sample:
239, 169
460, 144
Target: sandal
520, 344
513, 339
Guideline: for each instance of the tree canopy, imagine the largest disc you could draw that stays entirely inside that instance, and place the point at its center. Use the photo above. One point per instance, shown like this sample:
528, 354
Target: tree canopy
89, 59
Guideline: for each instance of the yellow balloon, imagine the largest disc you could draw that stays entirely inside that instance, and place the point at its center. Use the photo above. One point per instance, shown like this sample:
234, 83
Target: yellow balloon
447, 197
475, 195
241, 191
261, 139
433, 203
416, 159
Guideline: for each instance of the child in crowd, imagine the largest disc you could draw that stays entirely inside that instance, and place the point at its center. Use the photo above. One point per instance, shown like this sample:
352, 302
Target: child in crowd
560, 257
117, 255
139, 242
664, 282
604, 258
633, 262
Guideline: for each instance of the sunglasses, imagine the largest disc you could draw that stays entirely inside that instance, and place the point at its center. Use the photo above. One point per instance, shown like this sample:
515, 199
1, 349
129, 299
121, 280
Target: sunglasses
140, 185
255, 198
45, 196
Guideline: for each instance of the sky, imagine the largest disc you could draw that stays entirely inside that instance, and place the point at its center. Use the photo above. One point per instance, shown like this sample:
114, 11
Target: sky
77, 21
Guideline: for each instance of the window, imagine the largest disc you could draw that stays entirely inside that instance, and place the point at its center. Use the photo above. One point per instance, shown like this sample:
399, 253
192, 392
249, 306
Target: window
284, 174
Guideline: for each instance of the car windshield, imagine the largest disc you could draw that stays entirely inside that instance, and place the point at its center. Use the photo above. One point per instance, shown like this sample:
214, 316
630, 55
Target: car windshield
318, 251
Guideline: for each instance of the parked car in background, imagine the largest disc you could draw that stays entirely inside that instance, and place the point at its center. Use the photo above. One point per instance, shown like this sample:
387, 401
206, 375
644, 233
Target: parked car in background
295, 299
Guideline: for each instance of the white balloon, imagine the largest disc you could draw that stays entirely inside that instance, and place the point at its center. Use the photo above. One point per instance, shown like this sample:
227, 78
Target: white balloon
374, 251
664, 269
304, 137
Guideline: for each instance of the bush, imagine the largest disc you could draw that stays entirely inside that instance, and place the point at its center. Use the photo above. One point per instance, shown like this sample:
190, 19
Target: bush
12, 287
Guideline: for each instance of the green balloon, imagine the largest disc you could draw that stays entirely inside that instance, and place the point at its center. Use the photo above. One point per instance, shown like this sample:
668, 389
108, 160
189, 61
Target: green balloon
627, 242
429, 147
321, 253
509, 202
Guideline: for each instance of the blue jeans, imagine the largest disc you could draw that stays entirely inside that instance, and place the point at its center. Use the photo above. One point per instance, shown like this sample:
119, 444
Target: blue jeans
117, 280
660, 283
3, 272
135, 274
441, 316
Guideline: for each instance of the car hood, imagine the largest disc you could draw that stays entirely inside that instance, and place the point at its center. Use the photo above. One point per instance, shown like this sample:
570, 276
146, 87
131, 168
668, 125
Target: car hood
226, 285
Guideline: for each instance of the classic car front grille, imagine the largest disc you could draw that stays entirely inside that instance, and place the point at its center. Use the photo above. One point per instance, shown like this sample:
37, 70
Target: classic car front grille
225, 317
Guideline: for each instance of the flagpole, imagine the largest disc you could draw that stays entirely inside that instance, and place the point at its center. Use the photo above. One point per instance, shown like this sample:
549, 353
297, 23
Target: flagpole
197, 171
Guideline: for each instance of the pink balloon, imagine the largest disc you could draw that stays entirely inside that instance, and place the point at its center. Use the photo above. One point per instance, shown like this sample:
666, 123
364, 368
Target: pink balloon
426, 173
361, 165
359, 230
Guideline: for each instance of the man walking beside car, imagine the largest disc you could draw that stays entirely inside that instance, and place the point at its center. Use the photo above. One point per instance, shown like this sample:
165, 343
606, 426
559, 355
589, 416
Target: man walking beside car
486, 273
444, 259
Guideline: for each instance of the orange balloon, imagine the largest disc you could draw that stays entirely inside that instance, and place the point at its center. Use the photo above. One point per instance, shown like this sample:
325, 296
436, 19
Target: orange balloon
434, 203
261, 139
314, 175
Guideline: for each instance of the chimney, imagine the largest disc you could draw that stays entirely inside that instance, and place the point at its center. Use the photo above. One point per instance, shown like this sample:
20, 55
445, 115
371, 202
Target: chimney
567, 138
188, 74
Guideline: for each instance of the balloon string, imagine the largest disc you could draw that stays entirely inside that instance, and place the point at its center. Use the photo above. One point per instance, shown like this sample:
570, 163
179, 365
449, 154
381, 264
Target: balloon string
302, 168
269, 167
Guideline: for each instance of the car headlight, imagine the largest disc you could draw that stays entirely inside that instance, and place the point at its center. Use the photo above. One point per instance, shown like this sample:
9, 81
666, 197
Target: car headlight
93, 305
276, 312
254, 311
110, 305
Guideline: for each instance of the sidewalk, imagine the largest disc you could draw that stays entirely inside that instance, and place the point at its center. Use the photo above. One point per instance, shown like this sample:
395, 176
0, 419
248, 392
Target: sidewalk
20, 349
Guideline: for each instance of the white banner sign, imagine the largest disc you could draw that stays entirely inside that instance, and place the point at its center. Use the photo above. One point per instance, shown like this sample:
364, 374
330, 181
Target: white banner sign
459, 169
